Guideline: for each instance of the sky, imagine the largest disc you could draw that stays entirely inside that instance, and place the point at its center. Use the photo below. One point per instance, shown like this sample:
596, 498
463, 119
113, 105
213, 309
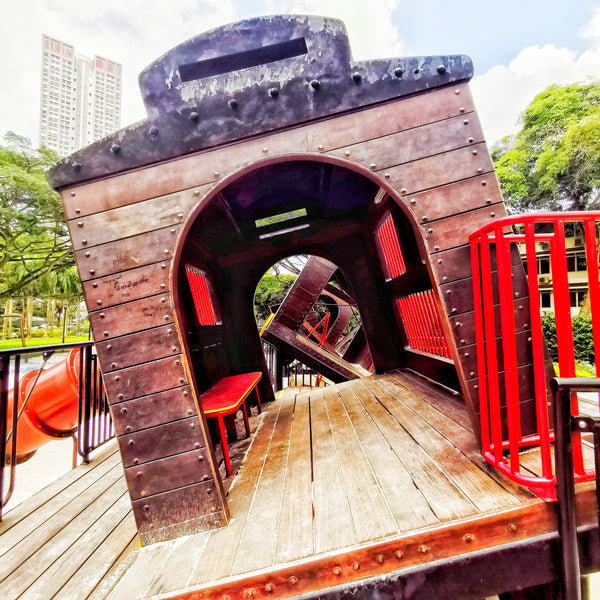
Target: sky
518, 47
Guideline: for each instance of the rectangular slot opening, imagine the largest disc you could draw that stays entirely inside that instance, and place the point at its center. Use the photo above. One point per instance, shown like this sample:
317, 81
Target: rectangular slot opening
243, 60
281, 218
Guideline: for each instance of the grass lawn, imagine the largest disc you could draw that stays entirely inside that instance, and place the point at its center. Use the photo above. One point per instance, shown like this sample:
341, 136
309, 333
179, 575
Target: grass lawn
16, 342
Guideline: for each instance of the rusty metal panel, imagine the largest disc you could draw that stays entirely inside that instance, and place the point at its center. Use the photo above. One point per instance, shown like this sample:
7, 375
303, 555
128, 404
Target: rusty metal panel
150, 411
127, 286
140, 314
138, 348
204, 169
454, 230
442, 169
132, 219
146, 379
159, 442
168, 473
415, 144
443, 201
179, 506
125, 254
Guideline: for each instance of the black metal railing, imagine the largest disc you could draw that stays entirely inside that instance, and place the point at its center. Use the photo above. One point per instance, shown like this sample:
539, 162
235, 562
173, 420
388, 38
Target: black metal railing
94, 425
566, 426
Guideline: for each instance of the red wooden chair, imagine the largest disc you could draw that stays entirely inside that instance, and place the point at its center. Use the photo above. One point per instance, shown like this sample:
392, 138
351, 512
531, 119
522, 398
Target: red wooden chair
225, 398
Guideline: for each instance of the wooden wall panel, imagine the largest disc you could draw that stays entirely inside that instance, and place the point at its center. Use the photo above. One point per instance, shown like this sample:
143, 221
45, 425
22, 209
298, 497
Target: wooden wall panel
122, 319
168, 474
148, 378
166, 440
125, 254
126, 286
141, 347
205, 168
151, 411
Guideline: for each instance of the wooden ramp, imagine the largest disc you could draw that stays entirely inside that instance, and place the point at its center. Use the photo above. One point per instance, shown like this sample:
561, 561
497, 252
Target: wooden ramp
375, 477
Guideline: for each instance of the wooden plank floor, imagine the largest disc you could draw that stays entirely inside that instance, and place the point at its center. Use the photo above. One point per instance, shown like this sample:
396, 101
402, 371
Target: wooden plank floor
73, 539
385, 462
332, 469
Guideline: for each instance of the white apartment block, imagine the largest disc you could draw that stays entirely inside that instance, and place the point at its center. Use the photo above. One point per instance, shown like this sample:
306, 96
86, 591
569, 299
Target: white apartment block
80, 97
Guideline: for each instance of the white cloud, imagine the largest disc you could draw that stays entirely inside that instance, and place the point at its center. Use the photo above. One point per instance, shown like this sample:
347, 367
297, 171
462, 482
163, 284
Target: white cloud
371, 30
134, 33
504, 92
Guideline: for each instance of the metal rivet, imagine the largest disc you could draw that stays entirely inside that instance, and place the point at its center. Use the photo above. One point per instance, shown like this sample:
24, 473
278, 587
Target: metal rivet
197, 445
185, 393
165, 252
441, 69
153, 131
177, 362
102, 315
315, 84
399, 554
475, 387
130, 442
167, 318
205, 478
444, 278
468, 537
88, 254
373, 166
356, 565
120, 397
320, 147
423, 549
194, 116
472, 374
454, 310
474, 152
529, 339
181, 380
480, 170
457, 92
217, 174
265, 150
136, 461
146, 507
413, 201
337, 571
380, 559
457, 324
213, 509
512, 527
174, 348
430, 230
449, 292
293, 580
189, 411
128, 428
492, 214
387, 175
201, 458
269, 587
180, 216
403, 191
92, 271
398, 72
106, 334
113, 365
273, 92
123, 410
99, 302
79, 223
73, 195
115, 148
439, 260
484, 182
163, 300
233, 103
169, 331
461, 109
467, 354
488, 201
84, 242
417, 71
163, 266
436, 248
196, 192
139, 474
357, 77
466, 122
76, 166
424, 218
192, 425
347, 153
463, 342
470, 140
117, 378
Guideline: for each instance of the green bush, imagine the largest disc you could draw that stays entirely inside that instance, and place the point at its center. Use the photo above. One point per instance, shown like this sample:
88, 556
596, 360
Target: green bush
583, 338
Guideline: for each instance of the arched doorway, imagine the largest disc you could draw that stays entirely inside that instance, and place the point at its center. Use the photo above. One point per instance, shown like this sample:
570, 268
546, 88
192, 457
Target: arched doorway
296, 205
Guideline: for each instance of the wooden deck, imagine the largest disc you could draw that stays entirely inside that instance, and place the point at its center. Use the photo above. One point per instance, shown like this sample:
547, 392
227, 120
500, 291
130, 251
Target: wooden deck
339, 483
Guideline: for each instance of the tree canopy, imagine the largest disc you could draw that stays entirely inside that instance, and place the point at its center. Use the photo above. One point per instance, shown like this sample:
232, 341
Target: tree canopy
553, 163
34, 243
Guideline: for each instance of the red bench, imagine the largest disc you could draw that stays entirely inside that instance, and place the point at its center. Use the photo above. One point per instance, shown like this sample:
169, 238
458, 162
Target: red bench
225, 398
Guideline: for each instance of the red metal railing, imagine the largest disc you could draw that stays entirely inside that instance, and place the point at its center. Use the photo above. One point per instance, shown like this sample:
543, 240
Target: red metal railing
205, 311
493, 248
390, 249
422, 323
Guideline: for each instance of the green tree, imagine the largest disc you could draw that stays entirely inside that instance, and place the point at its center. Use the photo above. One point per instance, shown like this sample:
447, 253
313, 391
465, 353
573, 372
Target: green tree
553, 163
33, 235
270, 292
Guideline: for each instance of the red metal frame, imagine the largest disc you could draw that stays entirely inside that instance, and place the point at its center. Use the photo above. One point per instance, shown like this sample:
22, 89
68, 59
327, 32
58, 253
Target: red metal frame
205, 310
393, 260
421, 317
499, 239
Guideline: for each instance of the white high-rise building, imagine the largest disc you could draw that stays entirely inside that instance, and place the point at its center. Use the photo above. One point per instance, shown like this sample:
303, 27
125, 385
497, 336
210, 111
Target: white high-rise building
80, 97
